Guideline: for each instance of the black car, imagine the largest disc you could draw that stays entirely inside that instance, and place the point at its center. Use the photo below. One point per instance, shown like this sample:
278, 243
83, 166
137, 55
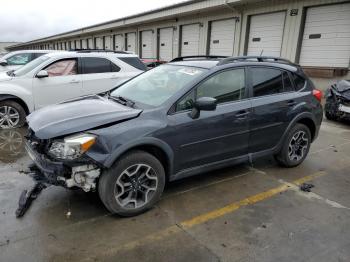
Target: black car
184, 118
337, 105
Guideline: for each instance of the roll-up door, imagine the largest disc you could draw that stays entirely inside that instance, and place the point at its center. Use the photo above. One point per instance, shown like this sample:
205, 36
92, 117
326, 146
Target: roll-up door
90, 43
98, 43
266, 34
84, 44
119, 42
147, 44
222, 37
131, 42
108, 42
77, 44
326, 39
166, 42
190, 36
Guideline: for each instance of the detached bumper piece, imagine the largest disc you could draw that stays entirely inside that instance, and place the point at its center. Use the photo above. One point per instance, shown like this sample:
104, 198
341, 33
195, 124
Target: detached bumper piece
27, 198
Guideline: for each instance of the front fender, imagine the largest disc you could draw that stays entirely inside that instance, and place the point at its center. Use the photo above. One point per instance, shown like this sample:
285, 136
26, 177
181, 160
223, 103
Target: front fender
9, 90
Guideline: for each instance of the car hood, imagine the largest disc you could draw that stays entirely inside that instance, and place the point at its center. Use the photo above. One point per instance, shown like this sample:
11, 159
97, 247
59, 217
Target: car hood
78, 115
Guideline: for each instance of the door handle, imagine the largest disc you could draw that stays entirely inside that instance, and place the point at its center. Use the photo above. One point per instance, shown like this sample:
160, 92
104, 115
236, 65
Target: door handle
291, 103
74, 82
242, 114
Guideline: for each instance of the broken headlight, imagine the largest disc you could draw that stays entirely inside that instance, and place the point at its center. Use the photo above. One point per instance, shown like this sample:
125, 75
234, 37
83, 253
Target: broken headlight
72, 147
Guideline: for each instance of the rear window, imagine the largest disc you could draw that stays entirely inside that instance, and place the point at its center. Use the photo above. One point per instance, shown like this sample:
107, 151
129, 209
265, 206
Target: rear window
299, 82
96, 65
135, 62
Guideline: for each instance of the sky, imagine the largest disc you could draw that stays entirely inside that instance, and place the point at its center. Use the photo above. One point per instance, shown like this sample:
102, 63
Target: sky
25, 20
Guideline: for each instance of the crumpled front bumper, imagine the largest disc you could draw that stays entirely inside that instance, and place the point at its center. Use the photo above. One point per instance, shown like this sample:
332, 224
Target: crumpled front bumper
46, 169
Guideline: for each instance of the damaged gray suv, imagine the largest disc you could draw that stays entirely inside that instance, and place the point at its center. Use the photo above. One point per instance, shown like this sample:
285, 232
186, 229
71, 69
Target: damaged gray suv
187, 117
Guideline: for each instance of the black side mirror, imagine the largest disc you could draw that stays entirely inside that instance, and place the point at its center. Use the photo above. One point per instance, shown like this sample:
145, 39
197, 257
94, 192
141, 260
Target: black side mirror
3, 62
203, 104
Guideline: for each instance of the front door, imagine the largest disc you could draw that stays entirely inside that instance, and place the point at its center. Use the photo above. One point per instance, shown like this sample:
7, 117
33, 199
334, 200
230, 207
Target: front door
215, 135
63, 83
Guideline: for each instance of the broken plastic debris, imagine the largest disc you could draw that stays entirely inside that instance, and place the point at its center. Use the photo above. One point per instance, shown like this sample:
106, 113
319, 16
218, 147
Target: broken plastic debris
27, 198
306, 187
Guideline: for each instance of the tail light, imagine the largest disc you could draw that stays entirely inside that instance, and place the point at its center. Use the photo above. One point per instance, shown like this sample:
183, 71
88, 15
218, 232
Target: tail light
317, 94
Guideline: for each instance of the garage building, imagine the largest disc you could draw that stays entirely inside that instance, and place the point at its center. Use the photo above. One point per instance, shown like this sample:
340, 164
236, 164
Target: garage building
314, 33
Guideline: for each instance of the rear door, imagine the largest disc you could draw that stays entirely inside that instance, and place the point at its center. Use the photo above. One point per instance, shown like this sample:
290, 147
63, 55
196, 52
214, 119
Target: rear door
215, 135
64, 82
99, 75
273, 102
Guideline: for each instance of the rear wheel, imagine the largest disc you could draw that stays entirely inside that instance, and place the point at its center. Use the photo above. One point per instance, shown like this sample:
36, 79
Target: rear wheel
12, 115
296, 146
133, 184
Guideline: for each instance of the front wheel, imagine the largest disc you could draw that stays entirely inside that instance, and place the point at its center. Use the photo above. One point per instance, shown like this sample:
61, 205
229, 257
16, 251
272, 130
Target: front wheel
296, 146
12, 115
133, 184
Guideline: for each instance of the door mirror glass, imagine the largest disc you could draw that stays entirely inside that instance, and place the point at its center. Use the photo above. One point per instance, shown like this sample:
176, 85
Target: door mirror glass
3, 62
203, 104
42, 74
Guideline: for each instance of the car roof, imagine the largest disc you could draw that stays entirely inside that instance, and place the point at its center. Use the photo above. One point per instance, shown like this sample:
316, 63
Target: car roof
219, 63
89, 54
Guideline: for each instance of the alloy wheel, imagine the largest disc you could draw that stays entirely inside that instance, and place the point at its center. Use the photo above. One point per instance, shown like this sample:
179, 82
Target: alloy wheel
9, 117
298, 146
135, 186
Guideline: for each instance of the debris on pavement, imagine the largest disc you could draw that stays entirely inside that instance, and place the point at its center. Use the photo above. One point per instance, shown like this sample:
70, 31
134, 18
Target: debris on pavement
306, 187
68, 214
27, 198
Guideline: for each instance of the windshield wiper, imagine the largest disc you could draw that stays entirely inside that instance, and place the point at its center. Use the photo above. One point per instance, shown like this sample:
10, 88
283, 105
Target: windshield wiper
122, 100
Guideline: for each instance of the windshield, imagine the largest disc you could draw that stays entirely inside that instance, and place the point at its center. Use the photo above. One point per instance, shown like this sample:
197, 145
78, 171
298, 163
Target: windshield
30, 66
157, 85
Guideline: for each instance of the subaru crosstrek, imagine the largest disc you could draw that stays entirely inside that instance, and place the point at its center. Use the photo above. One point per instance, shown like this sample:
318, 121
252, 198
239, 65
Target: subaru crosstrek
177, 120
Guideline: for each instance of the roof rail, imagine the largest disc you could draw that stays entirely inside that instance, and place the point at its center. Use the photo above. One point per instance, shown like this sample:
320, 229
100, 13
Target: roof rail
97, 51
254, 58
197, 57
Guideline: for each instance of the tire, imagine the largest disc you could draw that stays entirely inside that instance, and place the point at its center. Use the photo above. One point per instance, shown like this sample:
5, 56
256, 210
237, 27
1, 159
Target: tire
133, 168
10, 108
294, 156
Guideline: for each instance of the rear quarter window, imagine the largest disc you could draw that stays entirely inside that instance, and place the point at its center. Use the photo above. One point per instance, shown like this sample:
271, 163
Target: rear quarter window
299, 82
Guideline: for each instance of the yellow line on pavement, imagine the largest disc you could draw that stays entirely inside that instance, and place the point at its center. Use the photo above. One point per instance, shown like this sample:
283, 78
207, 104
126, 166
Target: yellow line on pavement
159, 235
247, 201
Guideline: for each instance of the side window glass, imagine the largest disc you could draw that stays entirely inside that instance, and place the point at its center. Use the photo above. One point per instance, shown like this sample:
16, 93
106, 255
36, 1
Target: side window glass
96, 65
287, 84
226, 86
186, 102
266, 81
63, 68
19, 59
299, 82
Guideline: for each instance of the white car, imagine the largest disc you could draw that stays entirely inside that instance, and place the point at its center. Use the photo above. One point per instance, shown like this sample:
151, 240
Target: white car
57, 77
17, 59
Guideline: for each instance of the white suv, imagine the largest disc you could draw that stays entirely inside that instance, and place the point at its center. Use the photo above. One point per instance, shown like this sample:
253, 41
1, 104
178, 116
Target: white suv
57, 77
17, 59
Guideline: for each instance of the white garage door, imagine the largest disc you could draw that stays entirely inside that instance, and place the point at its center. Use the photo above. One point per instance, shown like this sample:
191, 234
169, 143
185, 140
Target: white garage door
222, 37
108, 42
84, 44
190, 40
89, 43
77, 44
131, 42
98, 43
119, 42
166, 40
326, 40
147, 44
266, 34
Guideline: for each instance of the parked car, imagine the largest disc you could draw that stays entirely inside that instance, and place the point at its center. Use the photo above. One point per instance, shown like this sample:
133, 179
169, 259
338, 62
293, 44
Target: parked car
56, 77
177, 120
17, 59
152, 63
337, 105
